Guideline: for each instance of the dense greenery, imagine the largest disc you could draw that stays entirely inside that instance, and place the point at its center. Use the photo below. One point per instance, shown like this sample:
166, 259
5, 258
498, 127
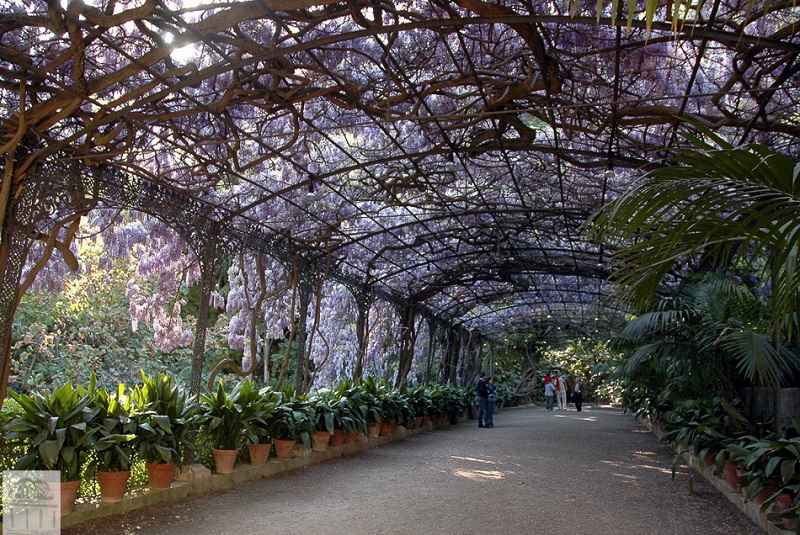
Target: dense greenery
88, 325
721, 219
122, 428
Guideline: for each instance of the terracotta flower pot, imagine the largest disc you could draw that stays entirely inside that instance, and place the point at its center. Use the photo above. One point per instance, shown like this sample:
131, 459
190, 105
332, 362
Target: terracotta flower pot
338, 437
731, 474
351, 436
386, 428
113, 485
224, 460
161, 475
69, 493
284, 449
784, 502
320, 441
259, 454
768, 490
374, 431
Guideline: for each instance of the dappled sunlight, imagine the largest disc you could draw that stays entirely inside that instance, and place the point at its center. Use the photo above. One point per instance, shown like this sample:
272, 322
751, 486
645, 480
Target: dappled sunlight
625, 477
641, 461
472, 459
478, 472
581, 418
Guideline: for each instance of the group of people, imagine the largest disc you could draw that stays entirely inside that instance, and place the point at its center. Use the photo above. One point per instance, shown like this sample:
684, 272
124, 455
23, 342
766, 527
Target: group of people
556, 389
487, 400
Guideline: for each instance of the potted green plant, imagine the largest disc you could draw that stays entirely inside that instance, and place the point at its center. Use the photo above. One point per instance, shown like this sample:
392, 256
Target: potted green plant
257, 430
165, 418
393, 405
420, 403
292, 419
322, 419
389, 402
770, 466
372, 411
348, 403
115, 442
229, 420
438, 396
54, 430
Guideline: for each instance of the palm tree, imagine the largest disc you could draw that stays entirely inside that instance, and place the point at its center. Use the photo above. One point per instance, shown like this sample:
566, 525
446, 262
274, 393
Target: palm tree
708, 339
719, 206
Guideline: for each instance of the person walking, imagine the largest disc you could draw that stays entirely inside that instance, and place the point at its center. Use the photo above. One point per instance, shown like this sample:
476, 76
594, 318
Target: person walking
577, 394
483, 397
561, 391
549, 393
491, 402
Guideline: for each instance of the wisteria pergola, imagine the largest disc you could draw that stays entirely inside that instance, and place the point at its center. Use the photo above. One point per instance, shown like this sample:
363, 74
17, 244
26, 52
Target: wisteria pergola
440, 154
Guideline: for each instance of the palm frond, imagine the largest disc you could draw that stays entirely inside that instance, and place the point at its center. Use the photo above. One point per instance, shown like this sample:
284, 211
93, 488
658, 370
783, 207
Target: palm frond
729, 204
757, 358
650, 324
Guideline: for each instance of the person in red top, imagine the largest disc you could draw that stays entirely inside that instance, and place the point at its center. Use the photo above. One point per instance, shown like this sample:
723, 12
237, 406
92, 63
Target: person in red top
561, 391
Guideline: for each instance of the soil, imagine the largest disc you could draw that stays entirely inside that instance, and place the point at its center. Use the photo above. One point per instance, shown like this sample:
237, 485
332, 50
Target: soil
593, 472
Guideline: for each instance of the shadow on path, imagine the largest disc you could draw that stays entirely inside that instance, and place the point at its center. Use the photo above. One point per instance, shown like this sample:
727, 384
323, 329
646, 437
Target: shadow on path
594, 472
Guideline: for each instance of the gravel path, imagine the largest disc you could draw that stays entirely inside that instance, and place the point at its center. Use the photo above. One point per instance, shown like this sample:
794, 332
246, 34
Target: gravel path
594, 472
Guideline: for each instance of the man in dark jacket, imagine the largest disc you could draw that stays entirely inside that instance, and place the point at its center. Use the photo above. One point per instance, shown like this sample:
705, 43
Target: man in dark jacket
483, 399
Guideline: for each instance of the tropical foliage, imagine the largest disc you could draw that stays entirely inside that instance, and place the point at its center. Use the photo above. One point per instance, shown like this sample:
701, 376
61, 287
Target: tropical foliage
165, 418
54, 429
715, 206
232, 418
115, 425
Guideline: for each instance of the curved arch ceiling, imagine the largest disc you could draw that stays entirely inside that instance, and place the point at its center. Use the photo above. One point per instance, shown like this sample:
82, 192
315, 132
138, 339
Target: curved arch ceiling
445, 151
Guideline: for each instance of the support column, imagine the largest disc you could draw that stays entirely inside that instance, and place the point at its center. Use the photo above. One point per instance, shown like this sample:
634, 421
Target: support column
14, 247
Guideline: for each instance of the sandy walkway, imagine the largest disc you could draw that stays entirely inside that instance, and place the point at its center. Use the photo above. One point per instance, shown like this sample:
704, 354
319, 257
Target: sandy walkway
563, 473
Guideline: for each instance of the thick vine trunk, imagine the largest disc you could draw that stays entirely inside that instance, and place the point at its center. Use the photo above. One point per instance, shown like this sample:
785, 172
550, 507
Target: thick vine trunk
363, 304
449, 368
472, 364
431, 350
301, 365
207, 262
527, 381
407, 344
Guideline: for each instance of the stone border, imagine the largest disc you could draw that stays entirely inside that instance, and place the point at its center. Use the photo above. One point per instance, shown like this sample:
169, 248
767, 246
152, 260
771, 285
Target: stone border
197, 479
750, 508
772, 525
